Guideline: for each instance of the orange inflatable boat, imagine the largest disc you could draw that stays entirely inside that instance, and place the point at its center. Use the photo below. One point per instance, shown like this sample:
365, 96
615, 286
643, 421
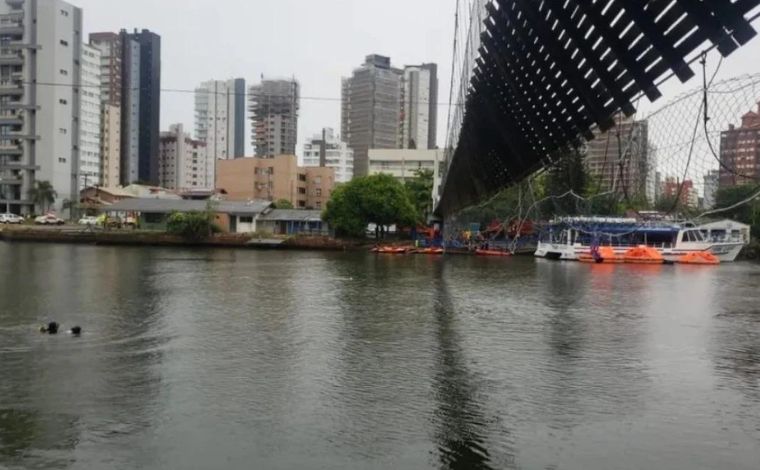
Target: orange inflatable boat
607, 255
392, 250
643, 255
430, 251
481, 252
698, 257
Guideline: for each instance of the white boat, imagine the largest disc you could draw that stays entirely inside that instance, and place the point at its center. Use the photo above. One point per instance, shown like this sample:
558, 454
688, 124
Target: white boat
569, 238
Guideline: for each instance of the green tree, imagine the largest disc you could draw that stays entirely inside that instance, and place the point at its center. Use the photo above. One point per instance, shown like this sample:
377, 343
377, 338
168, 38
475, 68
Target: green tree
43, 194
193, 225
376, 199
420, 189
283, 204
567, 174
748, 213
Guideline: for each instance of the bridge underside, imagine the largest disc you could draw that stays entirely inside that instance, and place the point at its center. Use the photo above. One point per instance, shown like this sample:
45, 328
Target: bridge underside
548, 72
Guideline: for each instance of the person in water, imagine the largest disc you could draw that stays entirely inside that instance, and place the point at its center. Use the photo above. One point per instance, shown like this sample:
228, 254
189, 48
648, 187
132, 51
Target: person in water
51, 328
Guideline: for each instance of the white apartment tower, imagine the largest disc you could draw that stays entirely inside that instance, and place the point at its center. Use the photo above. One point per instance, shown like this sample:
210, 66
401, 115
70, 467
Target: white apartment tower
183, 162
419, 106
90, 126
220, 117
39, 123
328, 150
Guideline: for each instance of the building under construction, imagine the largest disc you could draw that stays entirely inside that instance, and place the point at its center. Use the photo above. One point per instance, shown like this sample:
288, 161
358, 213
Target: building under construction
274, 115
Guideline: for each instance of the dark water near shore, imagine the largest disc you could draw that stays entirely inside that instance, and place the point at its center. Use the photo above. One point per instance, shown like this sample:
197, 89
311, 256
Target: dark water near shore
242, 359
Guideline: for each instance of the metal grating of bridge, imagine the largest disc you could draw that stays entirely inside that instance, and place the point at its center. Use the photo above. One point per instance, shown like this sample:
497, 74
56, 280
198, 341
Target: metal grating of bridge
549, 71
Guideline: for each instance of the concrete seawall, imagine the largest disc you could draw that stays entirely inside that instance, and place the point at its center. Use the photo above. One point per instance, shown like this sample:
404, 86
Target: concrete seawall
68, 234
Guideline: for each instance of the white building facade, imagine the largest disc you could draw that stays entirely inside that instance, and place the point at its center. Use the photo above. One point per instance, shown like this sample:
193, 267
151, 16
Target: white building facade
419, 107
220, 117
39, 123
183, 162
403, 164
337, 155
90, 125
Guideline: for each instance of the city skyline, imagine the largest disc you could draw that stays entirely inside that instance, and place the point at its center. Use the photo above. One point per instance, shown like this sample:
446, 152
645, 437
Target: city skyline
317, 57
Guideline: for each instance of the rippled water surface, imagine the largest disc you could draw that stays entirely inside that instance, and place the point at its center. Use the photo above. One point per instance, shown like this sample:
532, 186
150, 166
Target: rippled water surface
242, 359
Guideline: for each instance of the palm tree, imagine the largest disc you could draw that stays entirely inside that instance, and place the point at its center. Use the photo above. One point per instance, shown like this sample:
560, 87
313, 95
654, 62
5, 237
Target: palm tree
42, 194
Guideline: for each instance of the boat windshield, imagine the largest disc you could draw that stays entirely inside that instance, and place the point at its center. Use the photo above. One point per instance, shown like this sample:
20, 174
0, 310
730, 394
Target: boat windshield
693, 236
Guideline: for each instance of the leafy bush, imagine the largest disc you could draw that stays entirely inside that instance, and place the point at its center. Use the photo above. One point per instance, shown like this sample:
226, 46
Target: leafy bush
191, 225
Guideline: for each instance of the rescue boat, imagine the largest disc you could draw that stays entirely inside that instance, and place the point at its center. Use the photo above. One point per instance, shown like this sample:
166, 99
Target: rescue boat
643, 255
482, 252
699, 257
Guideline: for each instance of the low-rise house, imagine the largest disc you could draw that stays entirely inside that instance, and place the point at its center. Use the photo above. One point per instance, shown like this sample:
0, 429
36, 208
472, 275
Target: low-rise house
292, 221
152, 213
98, 197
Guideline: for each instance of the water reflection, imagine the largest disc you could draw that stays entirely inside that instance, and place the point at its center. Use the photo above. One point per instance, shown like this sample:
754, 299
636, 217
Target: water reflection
460, 424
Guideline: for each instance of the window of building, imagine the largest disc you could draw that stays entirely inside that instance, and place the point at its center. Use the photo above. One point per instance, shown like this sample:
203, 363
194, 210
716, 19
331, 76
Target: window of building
64, 13
64, 42
318, 180
62, 101
246, 219
152, 218
61, 160
301, 204
64, 72
318, 192
301, 177
301, 190
63, 130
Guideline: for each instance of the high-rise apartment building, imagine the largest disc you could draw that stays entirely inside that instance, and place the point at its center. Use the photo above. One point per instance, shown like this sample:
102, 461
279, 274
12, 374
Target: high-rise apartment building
39, 123
419, 107
131, 79
740, 151
274, 106
328, 150
110, 145
618, 159
150, 103
90, 128
220, 117
371, 109
111, 50
711, 185
183, 163
684, 191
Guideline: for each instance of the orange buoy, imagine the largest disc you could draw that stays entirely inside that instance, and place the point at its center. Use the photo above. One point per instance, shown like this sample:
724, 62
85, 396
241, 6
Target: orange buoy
643, 255
699, 257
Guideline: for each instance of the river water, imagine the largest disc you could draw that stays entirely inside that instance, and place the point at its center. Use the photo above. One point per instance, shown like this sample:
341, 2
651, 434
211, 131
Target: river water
197, 359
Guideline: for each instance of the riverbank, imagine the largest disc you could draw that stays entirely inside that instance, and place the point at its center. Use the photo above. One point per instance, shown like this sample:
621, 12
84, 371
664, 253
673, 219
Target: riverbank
80, 235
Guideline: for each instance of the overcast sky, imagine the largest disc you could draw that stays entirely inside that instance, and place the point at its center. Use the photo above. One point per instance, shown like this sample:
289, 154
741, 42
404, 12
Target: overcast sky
316, 41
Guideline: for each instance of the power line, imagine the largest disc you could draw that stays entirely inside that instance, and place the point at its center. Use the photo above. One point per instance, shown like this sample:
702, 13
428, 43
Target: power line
208, 93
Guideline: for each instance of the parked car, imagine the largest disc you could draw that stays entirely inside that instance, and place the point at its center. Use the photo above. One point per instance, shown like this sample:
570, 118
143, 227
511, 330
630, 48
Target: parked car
88, 220
49, 219
9, 218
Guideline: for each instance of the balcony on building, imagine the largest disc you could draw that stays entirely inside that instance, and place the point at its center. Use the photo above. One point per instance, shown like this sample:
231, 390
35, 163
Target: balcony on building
11, 25
13, 150
11, 90
11, 57
11, 119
